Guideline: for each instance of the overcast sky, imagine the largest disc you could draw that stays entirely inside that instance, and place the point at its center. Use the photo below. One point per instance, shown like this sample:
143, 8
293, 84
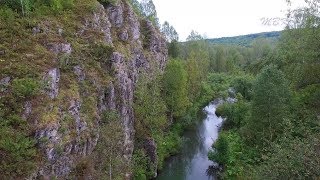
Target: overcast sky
221, 18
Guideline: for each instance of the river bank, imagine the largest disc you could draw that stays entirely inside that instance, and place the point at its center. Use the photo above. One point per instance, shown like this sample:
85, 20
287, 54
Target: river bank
192, 162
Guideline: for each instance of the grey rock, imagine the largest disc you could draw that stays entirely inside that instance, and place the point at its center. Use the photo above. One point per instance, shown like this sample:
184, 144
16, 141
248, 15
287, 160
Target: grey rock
100, 22
36, 30
74, 110
47, 137
117, 58
125, 88
51, 154
52, 79
57, 48
62, 166
50, 133
60, 31
150, 147
107, 99
134, 24
4, 83
124, 36
2, 52
27, 110
116, 15
78, 70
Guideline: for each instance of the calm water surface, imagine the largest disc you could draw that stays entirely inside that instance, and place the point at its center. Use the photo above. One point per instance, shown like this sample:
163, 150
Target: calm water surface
193, 163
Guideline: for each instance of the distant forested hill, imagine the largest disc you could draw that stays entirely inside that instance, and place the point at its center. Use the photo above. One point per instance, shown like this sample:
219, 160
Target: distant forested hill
246, 40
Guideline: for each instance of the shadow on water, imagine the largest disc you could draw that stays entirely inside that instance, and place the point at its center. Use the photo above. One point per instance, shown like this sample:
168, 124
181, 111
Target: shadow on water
192, 163
212, 172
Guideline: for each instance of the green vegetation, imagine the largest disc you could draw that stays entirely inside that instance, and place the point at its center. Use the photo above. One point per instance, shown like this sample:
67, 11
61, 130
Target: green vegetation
107, 159
18, 151
27, 32
151, 122
270, 105
107, 2
140, 165
175, 88
25, 87
17, 147
25, 7
276, 110
272, 131
246, 40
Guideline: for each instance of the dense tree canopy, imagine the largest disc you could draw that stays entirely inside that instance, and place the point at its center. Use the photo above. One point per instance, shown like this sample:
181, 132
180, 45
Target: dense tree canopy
175, 88
270, 104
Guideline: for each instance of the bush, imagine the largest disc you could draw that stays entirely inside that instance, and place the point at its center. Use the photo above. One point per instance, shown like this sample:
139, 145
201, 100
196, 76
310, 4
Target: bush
220, 154
59, 5
8, 17
25, 87
67, 4
102, 52
56, 5
21, 6
229, 152
140, 165
219, 84
236, 114
108, 155
243, 85
292, 158
108, 2
168, 145
310, 96
110, 116
27, 6
17, 152
14, 121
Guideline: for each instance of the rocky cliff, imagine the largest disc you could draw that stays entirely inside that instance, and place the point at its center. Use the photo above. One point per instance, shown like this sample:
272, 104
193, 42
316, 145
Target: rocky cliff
86, 66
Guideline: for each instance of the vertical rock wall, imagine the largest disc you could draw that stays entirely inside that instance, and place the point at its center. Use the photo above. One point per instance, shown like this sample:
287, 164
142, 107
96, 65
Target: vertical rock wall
64, 146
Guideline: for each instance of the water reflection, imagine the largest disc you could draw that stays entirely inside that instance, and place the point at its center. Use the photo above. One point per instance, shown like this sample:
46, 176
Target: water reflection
211, 172
193, 163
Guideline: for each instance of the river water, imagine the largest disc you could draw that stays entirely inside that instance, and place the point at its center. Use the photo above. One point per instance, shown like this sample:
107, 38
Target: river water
193, 163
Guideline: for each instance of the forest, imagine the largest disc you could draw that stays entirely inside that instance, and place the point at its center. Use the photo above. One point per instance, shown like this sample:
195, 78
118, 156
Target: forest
271, 132
246, 40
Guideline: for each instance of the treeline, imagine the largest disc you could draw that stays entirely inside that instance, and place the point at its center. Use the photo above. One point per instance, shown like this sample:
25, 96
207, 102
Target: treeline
169, 103
246, 40
25, 7
272, 131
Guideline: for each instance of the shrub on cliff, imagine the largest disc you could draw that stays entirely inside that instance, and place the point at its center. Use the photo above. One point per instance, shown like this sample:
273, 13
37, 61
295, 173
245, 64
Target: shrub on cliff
27, 6
25, 87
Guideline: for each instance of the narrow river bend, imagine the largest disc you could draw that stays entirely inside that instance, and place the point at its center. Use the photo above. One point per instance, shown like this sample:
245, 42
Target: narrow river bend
193, 163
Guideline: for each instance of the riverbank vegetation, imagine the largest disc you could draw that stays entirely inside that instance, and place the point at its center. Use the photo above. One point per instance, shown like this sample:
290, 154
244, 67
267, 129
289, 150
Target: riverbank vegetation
272, 131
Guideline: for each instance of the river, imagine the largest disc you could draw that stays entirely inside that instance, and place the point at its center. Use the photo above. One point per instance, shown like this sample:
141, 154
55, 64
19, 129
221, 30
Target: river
192, 163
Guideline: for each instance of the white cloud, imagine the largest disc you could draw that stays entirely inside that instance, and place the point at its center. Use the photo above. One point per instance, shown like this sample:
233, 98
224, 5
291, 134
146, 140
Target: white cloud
219, 18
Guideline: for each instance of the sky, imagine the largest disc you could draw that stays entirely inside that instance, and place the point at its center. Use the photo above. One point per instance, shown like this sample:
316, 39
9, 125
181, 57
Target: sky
223, 18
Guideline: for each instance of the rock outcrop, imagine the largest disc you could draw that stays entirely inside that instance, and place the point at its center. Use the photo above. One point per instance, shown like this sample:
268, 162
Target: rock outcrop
69, 131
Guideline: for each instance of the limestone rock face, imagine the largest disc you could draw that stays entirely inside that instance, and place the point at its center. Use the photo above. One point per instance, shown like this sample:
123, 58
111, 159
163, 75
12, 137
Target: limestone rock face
4, 83
99, 21
60, 48
52, 79
72, 128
